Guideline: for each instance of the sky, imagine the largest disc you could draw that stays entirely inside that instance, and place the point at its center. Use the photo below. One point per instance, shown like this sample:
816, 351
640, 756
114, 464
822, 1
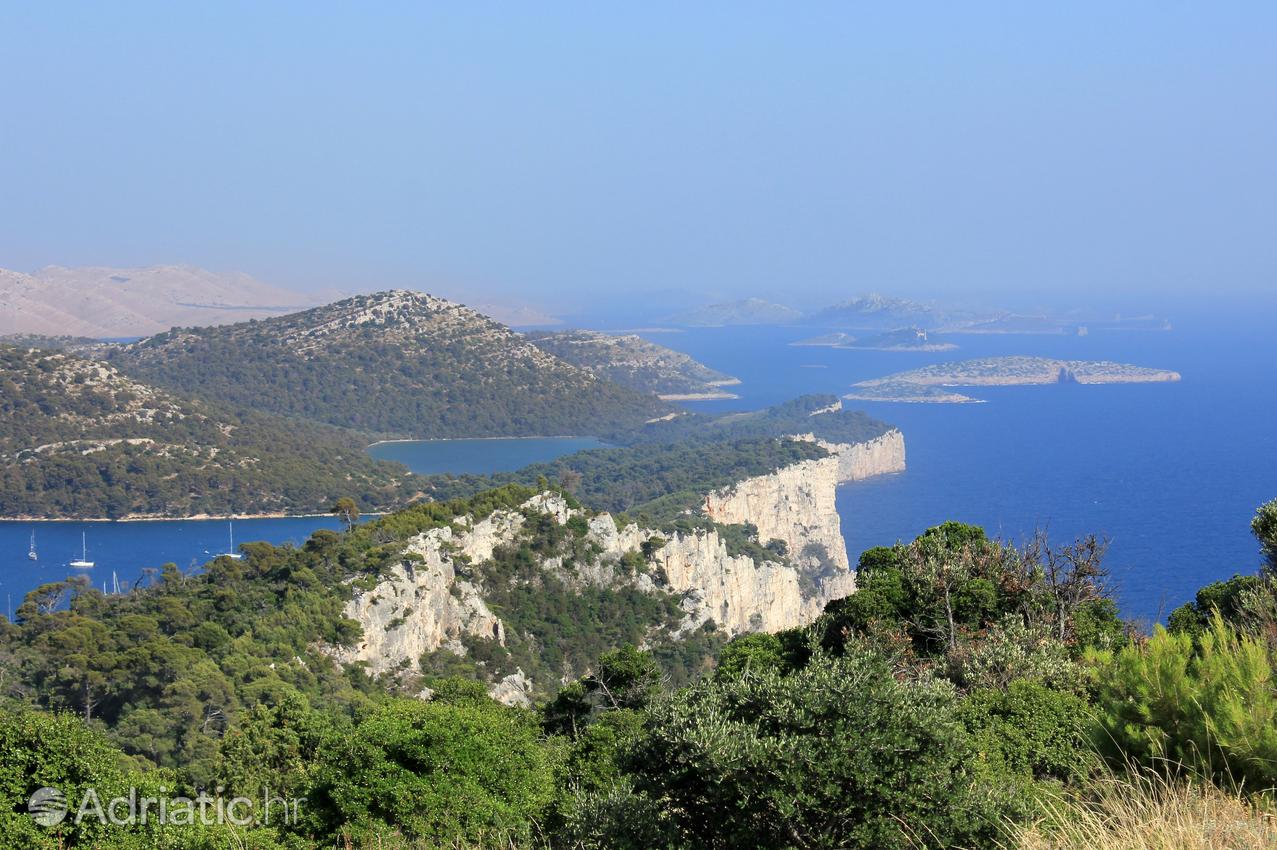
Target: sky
559, 154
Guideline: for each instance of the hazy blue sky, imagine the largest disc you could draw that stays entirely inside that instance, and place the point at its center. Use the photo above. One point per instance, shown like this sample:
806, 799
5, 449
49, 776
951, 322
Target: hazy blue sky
800, 151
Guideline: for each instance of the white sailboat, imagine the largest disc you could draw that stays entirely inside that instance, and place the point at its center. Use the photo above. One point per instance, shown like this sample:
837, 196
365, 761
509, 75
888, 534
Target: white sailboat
231, 553
83, 563
31, 553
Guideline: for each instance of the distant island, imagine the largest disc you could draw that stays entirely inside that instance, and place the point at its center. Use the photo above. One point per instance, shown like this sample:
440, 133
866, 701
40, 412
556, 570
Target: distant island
922, 385
748, 311
901, 339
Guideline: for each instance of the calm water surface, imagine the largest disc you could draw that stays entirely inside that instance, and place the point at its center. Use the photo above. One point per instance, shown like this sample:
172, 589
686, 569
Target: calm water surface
126, 548
1172, 473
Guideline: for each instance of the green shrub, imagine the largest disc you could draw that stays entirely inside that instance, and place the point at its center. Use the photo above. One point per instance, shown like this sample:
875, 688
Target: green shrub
1030, 729
441, 772
837, 754
1211, 706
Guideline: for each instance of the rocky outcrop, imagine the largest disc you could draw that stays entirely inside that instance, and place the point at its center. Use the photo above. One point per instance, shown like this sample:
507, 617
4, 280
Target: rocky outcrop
739, 594
423, 604
794, 504
882, 455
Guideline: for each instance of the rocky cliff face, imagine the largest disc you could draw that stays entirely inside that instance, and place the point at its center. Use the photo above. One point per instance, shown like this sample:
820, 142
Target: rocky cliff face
794, 504
425, 603
857, 461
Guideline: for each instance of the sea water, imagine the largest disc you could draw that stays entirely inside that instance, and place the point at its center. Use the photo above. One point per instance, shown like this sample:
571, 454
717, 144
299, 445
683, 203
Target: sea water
127, 552
1170, 473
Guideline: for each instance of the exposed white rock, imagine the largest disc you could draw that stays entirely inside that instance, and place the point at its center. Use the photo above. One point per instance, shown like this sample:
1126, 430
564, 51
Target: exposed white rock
421, 606
418, 608
515, 689
794, 504
882, 455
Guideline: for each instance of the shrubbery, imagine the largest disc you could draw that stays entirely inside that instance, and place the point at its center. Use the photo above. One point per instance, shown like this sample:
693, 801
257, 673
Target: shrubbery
966, 693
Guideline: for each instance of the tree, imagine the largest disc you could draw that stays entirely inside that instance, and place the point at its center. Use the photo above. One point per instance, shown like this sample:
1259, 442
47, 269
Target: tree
443, 773
839, 754
346, 510
1264, 526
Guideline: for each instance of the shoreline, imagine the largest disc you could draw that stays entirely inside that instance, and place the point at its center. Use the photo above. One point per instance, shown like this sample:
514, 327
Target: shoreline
190, 518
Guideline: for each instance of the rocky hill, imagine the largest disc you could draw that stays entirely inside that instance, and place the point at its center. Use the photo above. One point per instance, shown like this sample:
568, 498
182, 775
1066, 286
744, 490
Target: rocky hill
78, 439
505, 595
393, 363
112, 303
631, 361
880, 312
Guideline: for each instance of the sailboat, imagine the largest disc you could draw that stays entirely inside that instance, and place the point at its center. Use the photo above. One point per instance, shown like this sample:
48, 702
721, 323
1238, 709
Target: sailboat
231, 553
31, 553
83, 563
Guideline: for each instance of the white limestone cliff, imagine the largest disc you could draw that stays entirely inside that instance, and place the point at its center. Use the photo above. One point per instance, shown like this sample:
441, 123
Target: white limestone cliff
422, 604
882, 455
794, 504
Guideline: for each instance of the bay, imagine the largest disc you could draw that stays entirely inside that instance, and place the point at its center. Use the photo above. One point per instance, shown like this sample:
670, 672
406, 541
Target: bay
129, 549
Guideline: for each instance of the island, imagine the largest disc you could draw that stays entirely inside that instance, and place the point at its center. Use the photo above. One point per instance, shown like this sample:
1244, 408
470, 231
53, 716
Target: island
920, 384
837, 339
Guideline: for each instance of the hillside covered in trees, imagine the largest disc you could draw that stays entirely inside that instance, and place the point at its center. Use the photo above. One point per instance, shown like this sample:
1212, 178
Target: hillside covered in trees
971, 694
78, 439
394, 363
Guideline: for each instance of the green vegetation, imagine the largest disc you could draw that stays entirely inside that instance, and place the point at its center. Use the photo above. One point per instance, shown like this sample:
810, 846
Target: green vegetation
79, 440
970, 695
657, 481
394, 364
631, 361
665, 469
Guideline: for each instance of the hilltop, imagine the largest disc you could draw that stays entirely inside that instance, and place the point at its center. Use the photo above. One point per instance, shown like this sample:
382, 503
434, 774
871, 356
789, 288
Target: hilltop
392, 363
78, 439
880, 312
101, 302
631, 361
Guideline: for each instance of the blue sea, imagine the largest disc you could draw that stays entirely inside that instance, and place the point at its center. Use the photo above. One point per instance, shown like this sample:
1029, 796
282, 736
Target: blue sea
121, 551
1171, 474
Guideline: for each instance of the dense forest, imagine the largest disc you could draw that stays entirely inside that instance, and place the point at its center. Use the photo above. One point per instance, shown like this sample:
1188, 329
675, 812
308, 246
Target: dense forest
77, 439
393, 364
971, 694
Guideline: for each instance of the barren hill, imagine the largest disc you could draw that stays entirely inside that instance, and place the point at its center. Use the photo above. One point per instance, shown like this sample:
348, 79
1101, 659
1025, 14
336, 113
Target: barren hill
107, 302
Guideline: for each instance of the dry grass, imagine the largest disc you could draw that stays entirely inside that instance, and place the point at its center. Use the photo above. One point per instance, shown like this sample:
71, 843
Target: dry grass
1143, 811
